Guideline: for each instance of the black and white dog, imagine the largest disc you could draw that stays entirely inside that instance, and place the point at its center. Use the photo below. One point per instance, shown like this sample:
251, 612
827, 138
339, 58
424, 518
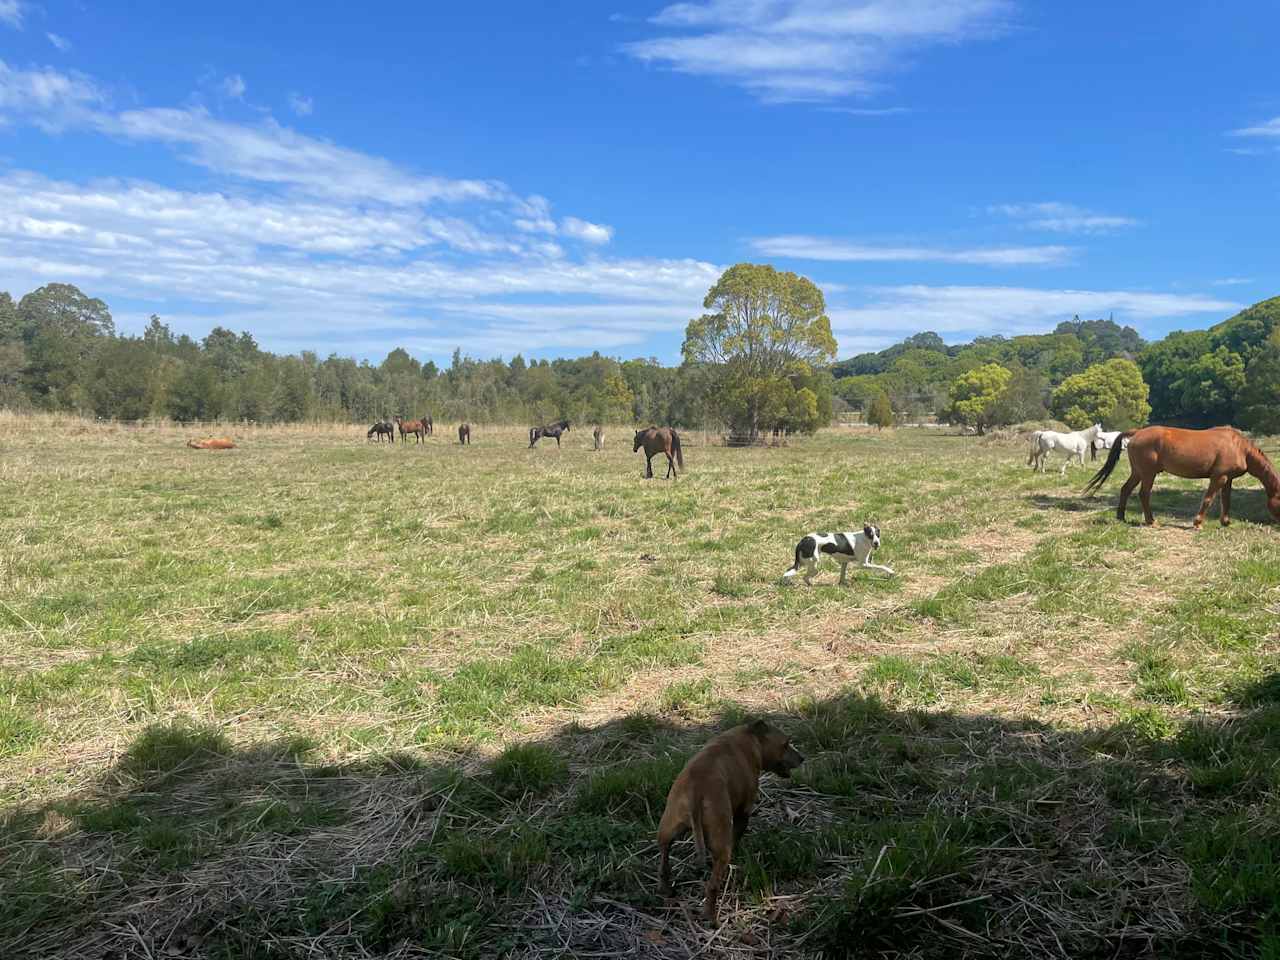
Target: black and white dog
843, 548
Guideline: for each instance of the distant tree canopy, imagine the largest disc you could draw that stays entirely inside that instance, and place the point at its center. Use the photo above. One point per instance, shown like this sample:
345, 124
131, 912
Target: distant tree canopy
758, 360
1111, 393
761, 345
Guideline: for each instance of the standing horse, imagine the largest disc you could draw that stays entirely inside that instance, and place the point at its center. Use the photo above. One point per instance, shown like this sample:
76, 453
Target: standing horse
1044, 442
550, 430
1220, 454
430, 425
381, 428
660, 440
464, 434
597, 438
1105, 439
416, 427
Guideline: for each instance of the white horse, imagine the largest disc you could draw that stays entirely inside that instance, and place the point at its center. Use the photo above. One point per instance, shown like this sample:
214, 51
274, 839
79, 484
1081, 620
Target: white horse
1106, 438
1044, 442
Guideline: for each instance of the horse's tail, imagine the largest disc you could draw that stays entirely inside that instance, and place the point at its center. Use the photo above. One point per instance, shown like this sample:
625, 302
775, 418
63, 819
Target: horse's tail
795, 567
675, 443
1099, 478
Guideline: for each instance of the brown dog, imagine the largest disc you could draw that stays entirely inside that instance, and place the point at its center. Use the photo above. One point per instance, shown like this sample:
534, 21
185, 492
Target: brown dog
714, 796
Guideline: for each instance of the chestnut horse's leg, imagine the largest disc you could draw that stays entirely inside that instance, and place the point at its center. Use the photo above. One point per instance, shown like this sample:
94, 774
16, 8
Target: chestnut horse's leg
1215, 485
1144, 493
1226, 504
1125, 492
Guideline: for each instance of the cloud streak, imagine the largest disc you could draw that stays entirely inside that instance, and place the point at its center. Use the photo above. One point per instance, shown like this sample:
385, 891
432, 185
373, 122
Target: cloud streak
1268, 128
802, 247
809, 50
1061, 217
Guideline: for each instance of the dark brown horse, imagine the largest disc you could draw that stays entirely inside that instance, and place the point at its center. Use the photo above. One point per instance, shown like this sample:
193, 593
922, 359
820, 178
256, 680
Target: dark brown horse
382, 428
430, 425
1221, 454
597, 438
550, 430
464, 433
417, 427
660, 440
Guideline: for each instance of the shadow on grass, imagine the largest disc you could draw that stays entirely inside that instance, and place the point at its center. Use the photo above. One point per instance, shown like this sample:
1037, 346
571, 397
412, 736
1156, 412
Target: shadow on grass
1175, 507
907, 832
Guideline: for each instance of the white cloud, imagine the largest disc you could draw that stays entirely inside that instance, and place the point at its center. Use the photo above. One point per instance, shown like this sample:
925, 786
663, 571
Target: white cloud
894, 312
1268, 128
1232, 281
302, 106
789, 50
1061, 217
832, 249
233, 86
60, 42
586, 231
49, 97
11, 13
868, 111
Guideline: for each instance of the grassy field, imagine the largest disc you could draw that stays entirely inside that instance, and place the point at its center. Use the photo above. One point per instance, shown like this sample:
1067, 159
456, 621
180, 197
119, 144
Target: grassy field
315, 697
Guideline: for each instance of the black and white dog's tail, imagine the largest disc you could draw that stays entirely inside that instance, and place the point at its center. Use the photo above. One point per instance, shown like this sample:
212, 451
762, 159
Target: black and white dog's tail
795, 567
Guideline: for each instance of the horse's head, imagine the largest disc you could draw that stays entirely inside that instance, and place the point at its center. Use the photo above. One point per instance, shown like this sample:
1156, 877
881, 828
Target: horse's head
639, 440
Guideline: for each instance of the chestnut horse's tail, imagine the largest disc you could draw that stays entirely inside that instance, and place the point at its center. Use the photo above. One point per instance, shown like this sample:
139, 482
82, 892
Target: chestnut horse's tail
1117, 448
675, 444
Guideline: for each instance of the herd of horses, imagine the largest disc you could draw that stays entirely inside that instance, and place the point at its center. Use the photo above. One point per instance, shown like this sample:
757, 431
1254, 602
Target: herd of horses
654, 440
1220, 455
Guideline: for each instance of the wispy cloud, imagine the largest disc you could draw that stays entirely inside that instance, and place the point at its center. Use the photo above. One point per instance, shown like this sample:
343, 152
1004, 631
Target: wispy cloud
60, 42
302, 106
586, 231
46, 96
1061, 217
1268, 128
1232, 281
233, 86
965, 311
318, 244
11, 13
801, 247
868, 111
797, 50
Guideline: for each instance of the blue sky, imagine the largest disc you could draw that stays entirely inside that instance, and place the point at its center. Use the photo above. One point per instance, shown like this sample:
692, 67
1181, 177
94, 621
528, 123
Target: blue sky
551, 179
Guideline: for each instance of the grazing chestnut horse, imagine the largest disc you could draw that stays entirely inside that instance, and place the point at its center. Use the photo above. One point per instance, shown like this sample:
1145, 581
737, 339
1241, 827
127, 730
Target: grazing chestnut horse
1220, 453
660, 440
213, 443
464, 433
550, 430
381, 428
417, 427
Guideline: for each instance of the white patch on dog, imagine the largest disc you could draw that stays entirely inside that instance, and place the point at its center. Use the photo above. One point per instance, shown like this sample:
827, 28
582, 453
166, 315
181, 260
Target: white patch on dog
843, 548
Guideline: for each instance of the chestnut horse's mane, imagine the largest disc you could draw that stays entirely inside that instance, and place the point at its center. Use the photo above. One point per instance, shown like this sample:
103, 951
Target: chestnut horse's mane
1261, 467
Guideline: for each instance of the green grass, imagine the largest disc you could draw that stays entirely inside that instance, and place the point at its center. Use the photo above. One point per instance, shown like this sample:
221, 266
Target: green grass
433, 700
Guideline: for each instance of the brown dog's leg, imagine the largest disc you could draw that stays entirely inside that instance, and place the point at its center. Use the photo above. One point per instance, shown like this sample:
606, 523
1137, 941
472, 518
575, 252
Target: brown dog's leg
668, 830
740, 821
719, 834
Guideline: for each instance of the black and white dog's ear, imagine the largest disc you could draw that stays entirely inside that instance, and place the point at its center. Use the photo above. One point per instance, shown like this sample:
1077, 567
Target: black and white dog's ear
868, 529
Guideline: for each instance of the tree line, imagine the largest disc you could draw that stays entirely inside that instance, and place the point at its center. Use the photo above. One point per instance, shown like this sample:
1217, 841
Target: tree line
1082, 372
761, 359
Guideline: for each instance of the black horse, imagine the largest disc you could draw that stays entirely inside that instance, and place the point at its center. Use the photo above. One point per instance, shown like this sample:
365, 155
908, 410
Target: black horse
380, 429
550, 430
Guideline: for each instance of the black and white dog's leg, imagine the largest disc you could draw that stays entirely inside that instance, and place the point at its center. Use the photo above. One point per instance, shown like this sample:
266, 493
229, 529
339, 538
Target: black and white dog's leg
844, 570
868, 565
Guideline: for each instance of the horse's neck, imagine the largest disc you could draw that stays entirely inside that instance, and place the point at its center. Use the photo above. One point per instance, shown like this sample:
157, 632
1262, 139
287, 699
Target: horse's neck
1256, 463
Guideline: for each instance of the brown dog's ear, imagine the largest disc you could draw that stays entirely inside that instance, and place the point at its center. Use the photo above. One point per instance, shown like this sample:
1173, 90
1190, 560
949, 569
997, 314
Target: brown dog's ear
759, 728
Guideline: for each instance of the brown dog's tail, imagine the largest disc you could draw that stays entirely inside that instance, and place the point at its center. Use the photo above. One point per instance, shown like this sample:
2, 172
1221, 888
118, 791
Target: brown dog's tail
695, 822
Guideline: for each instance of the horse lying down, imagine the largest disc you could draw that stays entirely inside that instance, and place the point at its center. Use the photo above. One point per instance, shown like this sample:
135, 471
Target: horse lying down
213, 443
843, 548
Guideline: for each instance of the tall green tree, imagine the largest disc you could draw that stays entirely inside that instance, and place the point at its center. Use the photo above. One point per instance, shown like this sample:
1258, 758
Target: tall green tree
765, 324
880, 413
1259, 403
1112, 393
974, 395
